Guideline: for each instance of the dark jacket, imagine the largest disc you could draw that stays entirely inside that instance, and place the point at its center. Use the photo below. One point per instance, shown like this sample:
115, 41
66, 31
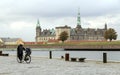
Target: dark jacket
20, 49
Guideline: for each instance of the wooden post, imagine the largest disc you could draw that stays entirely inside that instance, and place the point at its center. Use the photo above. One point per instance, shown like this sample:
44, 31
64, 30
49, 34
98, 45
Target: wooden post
67, 57
50, 54
0, 52
104, 57
62, 57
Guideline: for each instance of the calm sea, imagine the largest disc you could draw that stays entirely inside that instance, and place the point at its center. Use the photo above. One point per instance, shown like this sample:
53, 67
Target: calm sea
92, 55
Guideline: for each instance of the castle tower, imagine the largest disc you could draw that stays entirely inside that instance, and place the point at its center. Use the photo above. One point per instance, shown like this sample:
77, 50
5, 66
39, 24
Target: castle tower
38, 30
105, 26
78, 19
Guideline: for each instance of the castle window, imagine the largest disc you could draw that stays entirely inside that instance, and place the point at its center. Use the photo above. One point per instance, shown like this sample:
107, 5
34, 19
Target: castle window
73, 38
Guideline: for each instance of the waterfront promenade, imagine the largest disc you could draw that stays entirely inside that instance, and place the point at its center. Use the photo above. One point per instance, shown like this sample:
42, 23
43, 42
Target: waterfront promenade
45, 66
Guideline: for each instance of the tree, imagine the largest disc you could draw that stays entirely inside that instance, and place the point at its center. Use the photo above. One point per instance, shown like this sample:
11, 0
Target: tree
63, 36
110, 34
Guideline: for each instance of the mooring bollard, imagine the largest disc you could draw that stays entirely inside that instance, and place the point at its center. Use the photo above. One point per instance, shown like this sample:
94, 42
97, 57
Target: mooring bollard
0, 52
50, 54
67, 57
62, 57
104, 57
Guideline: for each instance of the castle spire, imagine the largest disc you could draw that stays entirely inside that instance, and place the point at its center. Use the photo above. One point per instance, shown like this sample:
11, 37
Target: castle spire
38, 23
105, 26
38, 29
78, 17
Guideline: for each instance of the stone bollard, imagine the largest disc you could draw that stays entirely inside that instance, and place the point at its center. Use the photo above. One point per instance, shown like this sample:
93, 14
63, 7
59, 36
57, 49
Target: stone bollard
73, 59
67, 57
50, 54
62, 57
104, 57
0, 52
5, 54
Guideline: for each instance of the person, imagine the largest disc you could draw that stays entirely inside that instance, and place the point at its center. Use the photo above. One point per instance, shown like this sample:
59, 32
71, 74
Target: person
20, 49
27, 52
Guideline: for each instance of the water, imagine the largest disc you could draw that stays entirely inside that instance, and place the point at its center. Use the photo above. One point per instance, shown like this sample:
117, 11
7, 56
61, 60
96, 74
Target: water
94, 55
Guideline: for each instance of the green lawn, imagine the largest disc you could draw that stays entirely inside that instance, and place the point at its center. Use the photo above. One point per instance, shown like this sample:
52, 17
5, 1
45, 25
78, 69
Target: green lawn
100, 43
89, 43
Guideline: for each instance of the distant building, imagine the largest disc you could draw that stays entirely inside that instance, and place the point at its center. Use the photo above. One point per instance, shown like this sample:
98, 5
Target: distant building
75, 34
11, 41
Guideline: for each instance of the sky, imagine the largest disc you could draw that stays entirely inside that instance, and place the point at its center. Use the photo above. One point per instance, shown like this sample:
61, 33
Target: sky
18, 18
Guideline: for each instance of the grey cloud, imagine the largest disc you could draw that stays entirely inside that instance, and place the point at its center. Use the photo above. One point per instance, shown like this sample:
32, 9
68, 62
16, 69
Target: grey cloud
30, 10
55, 8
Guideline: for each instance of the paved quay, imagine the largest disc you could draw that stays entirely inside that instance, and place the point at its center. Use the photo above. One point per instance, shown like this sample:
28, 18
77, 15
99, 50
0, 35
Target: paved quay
45, 66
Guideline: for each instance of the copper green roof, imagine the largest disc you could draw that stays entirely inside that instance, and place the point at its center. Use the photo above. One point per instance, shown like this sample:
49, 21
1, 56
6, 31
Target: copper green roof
78, 17
38, 23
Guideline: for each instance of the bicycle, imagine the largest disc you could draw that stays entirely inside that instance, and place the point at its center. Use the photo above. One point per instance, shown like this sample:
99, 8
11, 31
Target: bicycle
26, 58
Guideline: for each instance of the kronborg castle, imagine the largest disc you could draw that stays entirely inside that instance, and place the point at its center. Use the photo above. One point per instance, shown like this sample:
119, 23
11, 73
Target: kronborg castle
75, 34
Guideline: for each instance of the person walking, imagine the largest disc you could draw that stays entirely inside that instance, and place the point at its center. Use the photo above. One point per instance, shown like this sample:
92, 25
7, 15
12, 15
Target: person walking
20, 49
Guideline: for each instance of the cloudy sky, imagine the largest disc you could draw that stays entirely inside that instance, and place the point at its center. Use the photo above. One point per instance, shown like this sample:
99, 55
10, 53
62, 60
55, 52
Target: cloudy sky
18, 18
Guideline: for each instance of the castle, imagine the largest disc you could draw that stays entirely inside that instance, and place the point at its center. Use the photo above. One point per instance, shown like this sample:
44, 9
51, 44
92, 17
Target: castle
74, 34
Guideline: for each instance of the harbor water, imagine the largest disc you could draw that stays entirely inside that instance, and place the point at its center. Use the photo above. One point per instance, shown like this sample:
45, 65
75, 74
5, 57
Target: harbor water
89, 55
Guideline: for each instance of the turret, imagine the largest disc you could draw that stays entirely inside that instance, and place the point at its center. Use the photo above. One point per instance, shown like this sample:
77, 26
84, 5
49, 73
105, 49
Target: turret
105, 26
38, 29
78, 19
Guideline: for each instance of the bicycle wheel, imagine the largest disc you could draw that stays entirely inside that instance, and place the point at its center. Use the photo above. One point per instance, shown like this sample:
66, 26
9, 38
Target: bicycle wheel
28, 59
